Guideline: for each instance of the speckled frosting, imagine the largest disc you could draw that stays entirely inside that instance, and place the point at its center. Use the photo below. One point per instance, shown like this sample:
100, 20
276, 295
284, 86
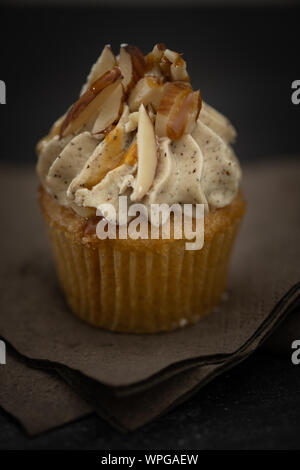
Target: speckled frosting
84, 168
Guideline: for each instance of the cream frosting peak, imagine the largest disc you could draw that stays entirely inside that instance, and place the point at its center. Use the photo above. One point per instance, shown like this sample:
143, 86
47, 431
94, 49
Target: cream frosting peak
83, 169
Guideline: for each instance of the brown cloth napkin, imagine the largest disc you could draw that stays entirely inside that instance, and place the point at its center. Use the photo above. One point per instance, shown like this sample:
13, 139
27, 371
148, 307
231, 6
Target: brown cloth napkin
149, 374
39, 399
38, 391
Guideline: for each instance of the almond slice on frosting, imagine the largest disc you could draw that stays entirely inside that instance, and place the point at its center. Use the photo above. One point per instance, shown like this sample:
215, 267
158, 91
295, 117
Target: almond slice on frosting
90, 102
108, 190
191, 107
148, 89
155, 56
132, 64
133, 119
177, 66
110, 111
147, 155
153, 60
172, 93
173, 66
178, 110
107, 155
104, 63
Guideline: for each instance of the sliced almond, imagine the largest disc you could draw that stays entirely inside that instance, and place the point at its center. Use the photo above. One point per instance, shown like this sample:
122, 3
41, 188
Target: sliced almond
133, 118
147, 155
132, 64
110, 111
191, 108
178, 110
154, 57
147, 90
171, 55
178, 70
108, 189
104, 63
172, 91
107, 155
165, 67
90, 102
110, 155
173, 66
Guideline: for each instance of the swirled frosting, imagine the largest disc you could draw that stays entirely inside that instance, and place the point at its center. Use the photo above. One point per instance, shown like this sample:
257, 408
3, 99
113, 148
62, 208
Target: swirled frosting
103, 147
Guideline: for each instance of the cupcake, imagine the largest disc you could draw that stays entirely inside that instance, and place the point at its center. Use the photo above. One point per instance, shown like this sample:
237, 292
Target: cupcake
141, 136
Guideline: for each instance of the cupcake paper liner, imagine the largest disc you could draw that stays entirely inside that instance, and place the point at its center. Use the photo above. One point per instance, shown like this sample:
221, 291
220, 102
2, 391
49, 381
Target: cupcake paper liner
141, 291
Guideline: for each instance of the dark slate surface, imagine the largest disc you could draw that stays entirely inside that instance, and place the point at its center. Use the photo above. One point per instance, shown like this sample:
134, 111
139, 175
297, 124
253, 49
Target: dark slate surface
256, 405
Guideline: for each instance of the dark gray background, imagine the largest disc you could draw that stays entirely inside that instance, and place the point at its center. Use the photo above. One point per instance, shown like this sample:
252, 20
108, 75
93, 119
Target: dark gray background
244, 61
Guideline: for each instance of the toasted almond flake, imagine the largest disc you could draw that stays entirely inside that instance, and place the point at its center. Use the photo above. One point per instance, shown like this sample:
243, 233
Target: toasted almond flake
104, 63
178, 110
90, 102
147, 90
132, 64
147, 155
110, 110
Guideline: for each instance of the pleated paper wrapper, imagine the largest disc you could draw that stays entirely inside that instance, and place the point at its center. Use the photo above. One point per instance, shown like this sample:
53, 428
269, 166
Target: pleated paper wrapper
141, 291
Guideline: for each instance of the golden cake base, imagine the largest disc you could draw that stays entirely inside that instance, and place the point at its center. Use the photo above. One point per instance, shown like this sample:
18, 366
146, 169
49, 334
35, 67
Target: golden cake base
140, 286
